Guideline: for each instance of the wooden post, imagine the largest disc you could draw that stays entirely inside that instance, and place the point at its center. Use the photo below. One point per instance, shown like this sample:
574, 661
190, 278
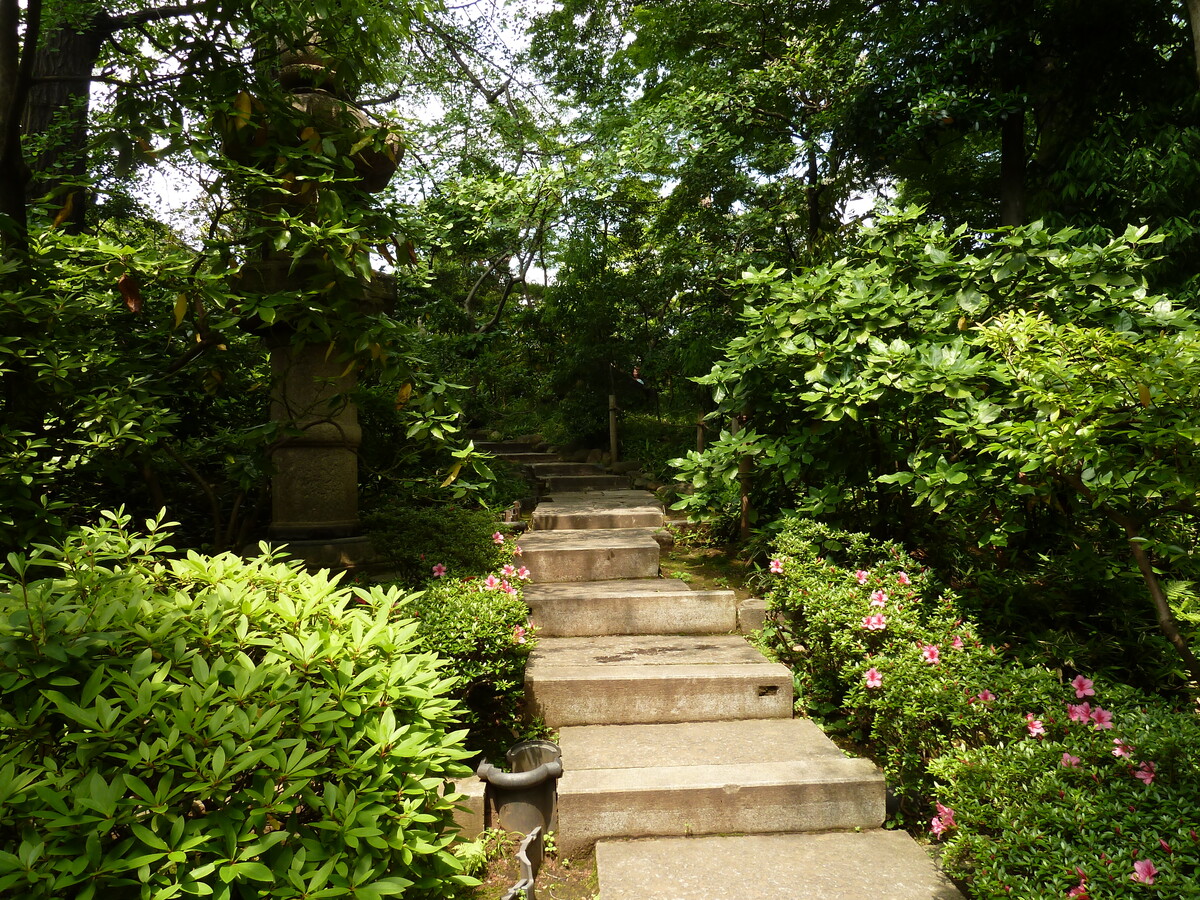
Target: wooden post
612, 427
700, 432
745, 475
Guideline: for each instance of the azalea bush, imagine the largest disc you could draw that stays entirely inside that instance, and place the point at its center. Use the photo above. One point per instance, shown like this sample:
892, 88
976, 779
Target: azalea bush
479, 625
994, 755
185, 725
1019, 399
413, 539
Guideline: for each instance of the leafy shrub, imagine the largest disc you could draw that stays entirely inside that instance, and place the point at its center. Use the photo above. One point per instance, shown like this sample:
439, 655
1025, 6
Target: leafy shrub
480, 629
413, 539
1078, 805
217, 727
888, 660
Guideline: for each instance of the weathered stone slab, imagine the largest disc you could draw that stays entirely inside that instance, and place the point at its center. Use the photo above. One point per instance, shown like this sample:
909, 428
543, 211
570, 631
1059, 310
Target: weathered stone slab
560, 483
879, 865
646, 679
578, 555
633, 606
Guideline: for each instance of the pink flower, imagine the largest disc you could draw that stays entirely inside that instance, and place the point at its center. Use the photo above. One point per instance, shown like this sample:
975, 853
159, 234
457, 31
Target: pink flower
986, 696
497, 537
439, 570
1101, 718
873, 678
1144, 871
943, 821
517, 550
1079, 892
861, 577
1070, 762
1081, 712
874, 623
491, 583
957, 644
879, 598
507, 588
523, 573
1146, 773
518, 634
1036, 729
777, 567
1083, 687
903, 578
931, 654
509, 571
1120, 748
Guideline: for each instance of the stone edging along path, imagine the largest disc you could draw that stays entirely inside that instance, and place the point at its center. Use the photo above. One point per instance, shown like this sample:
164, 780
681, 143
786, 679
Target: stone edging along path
682, 764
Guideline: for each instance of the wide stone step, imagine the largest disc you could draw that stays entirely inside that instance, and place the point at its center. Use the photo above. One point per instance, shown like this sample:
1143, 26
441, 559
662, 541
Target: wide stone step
604, 509
529, 458
754, 776
879, 865
542, 469
654, 679
501, 447
634, 606
559, 483
578, 555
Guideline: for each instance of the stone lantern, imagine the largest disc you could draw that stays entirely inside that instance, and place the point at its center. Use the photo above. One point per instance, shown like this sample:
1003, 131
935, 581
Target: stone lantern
314, 488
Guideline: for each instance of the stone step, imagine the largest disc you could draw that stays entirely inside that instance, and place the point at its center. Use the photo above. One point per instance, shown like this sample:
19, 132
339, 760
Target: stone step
631, 606
756, 776
604, 509
632, 679
560, 483
530, 458
579, 555
502, 447
542, 469
879, 865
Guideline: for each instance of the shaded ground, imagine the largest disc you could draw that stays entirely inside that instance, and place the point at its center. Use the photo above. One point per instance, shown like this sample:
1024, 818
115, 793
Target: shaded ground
707, 568
558, 879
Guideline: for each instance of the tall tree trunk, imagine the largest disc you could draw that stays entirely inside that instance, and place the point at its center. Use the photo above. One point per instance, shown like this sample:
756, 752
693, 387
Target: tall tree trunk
15, 79
1012, 168
55, 119
1193, 10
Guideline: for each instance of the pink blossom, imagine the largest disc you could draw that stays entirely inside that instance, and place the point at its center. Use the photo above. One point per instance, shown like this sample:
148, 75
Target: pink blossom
879, 598
903, 578
777, 567
1081, 712
957, 644
523, 573
1036, 729
439, 570
497, 537
1079, 892
1070, 762
1101, 718
1083, 687
861, 576
509, 570
874, 623
518, 634
517, 550
507, 588
931, 654
943, 821
873, 678
1144, 871
986, 696
1146, 773
491, 583
1120, 748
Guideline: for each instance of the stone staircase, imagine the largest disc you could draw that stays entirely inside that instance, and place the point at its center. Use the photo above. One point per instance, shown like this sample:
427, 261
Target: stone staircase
683, 766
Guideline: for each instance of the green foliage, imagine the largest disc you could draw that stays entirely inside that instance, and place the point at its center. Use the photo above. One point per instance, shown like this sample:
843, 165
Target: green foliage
1044, 814
1009, 394
213, 726
978, 738
413, 539
479, 626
